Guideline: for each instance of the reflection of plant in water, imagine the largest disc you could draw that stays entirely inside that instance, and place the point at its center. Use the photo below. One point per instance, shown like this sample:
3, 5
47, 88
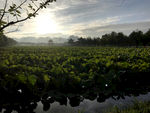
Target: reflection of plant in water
29, 75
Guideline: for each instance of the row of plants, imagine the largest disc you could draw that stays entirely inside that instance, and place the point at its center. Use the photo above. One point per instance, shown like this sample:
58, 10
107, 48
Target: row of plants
76, 64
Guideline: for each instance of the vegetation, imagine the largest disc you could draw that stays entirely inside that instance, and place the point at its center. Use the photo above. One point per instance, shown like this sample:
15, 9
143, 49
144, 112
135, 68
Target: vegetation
137, 107
48, 74
50, 42
5, 41
136, 38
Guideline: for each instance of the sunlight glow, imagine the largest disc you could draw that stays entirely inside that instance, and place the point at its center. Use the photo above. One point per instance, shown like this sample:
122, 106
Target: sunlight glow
46, 24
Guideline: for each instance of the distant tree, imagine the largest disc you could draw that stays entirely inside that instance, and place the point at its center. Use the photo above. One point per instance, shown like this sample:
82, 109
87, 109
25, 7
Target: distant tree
50, 42
136, 37
70, 41
5, 41
89, 41
146, 38
113, 38
121, 39
81, 41
104, 39
75, 38
13, 12
96, 41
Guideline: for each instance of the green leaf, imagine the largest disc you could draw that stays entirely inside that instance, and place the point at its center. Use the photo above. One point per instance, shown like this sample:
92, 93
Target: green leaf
30, 15
18, 11
3, 22
46, 78
32, 79
22, 78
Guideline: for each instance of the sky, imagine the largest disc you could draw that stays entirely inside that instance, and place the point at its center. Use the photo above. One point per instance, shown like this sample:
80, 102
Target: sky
87, 18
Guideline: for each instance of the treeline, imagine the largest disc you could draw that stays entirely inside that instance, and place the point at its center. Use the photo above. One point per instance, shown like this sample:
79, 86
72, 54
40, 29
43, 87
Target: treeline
136, 38
5, 41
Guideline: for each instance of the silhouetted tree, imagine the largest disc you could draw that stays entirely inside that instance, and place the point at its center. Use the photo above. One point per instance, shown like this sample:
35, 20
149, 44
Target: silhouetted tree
104, 39
80, 41
5, 41
70, 41
136, 37
146, 38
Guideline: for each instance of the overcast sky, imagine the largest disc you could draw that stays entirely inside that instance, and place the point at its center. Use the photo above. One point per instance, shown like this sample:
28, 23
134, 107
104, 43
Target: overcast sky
88, 18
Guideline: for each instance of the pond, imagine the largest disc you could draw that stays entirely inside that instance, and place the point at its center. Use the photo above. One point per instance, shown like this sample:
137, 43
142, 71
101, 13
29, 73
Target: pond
63, 104
88, 106
93, 98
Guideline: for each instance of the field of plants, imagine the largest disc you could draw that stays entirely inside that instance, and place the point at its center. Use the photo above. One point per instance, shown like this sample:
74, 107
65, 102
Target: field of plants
48, 74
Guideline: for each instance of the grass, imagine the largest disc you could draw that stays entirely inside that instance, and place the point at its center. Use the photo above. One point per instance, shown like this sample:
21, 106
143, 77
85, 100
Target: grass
137, 107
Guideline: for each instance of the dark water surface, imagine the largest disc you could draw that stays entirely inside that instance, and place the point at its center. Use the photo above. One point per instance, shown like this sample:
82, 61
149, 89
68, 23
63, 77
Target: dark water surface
88, 106
92, 98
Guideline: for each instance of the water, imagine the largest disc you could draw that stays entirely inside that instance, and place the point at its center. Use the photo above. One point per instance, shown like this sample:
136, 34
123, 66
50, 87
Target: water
90, 100
88, 106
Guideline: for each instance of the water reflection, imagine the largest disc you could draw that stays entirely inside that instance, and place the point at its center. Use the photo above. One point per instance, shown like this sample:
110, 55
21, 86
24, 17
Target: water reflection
27, 103
24, 99
88, 106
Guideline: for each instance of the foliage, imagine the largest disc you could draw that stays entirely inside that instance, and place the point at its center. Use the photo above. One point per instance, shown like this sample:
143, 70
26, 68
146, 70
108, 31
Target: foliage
75, 66
136, 38
14, 11
5, 41
50, 42
137, 107
70, 41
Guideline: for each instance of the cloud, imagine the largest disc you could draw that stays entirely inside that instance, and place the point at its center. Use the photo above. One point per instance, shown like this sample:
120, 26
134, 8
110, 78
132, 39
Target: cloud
81, 11
126, 28
77, 11
92, 17
77, 28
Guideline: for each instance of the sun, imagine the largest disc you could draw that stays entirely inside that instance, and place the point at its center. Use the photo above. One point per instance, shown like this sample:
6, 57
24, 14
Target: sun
46, 24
